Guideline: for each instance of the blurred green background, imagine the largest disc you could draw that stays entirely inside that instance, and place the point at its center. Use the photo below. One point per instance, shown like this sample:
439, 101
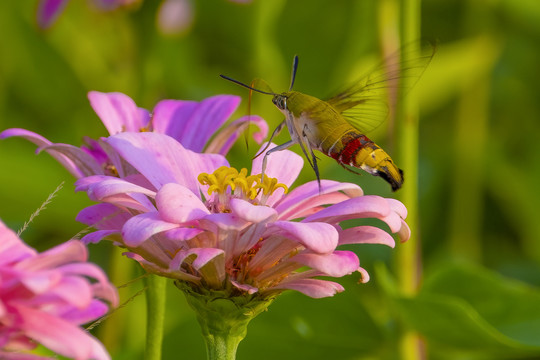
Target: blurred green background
479, 161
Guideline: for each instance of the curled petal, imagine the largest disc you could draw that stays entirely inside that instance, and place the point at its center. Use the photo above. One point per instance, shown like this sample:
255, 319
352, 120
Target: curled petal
115, 186
369, 206
308, 198
202, 257
227, 136
209, 262
359, 207
244, 287
85, 163
364, 275
314, 288
141, 227
42, 142
177, 204
319, 237
253, 213
97, 236
404, 232
365, 235
336, 264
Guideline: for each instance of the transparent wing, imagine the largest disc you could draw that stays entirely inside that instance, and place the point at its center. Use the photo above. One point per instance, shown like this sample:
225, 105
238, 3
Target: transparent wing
368, 101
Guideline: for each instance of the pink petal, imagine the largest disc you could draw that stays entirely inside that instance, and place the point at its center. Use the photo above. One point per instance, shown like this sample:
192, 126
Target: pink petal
369, 206
48, 11
97, 236
93, 311
244, 287
141, 227
117, 111
84, 183
84, 162
364, 275
319, 237
12, 249
307, 198
182, 234
41, 142
314, 288
103, 216
211, 113
253, 213
192, 124
366, 235
162, 160
223, 221
177, 204
170, 116
336, 264
115, 186
94, 272
404, 232
122, 193
203, 256
70, 251
21, 356
52, 332
283, 165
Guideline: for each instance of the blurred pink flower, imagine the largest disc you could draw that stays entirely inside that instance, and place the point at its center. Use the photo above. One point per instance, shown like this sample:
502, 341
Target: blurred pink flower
206, 224
173, 17
194, 124
45, 297
49, 10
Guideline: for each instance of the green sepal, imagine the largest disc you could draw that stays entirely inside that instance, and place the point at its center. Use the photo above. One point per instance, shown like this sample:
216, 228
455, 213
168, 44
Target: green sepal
224, 316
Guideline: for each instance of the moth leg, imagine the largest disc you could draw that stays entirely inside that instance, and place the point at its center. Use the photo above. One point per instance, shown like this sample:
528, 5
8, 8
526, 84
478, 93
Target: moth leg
277, 130
313, 161
348, 169
287, 145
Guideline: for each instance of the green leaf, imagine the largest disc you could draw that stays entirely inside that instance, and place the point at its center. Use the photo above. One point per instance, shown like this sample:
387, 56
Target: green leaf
464, 308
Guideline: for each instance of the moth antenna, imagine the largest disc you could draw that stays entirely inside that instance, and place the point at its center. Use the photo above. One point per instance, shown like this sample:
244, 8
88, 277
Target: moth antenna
246, 86
293, 71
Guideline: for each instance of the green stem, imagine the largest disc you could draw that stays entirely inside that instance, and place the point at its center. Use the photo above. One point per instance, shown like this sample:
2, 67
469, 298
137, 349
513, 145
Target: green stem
155, 315
223, 317
409, 256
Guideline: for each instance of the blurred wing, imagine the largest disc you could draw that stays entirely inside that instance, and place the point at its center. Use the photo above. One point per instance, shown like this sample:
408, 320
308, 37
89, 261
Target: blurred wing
367, 102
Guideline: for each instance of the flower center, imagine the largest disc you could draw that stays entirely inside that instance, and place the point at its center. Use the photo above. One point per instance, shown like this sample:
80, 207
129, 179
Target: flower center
240, 184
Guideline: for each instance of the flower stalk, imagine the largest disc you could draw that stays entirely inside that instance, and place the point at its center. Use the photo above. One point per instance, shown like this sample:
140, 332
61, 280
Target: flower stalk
155, 312
223, 317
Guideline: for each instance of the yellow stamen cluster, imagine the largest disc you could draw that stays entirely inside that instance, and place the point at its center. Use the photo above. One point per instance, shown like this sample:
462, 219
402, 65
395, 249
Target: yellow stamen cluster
241, 184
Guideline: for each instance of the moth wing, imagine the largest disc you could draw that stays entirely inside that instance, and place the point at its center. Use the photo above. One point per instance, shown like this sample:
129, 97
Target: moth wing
368, 101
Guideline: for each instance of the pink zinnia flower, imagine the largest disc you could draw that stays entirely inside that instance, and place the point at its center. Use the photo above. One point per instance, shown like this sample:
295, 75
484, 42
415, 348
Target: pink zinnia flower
210, 226
45, 297
194, 124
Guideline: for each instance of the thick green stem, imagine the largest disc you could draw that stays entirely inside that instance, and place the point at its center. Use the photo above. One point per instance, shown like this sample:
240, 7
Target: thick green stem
223, 318
155, 315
